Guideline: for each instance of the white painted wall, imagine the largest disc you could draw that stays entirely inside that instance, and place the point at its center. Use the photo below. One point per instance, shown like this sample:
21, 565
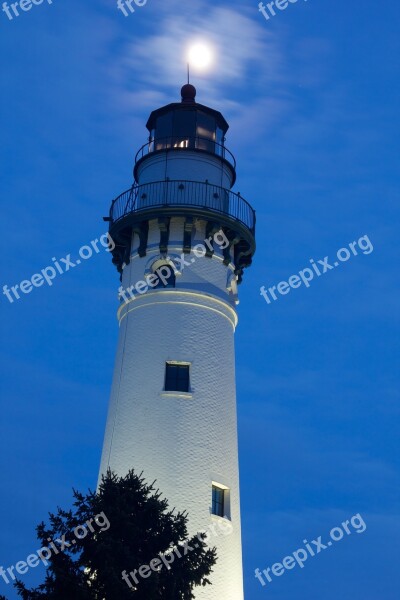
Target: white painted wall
185, 164
184, 442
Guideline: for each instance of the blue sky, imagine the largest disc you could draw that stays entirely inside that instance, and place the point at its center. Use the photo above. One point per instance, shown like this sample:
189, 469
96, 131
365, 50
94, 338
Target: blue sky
312, 99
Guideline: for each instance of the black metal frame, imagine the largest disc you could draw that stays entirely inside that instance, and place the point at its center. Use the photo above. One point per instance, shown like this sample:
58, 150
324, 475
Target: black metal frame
195, 143
220, 208
183, 196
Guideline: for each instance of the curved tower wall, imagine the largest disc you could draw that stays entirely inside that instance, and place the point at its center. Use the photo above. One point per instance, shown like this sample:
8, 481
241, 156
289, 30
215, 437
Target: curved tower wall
185, 440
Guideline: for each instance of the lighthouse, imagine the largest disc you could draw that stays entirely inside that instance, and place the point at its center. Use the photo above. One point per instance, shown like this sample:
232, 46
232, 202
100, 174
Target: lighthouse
182, 241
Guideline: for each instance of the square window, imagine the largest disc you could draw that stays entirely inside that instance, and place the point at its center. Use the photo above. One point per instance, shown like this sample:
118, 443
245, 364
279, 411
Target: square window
218, 501
167, 281
176, 377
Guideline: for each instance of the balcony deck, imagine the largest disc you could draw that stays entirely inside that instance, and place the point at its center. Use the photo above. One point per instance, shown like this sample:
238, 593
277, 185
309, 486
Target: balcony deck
134, 208
183, 197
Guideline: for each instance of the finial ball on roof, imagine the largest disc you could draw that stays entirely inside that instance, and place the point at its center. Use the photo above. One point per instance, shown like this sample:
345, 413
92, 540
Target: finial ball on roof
188, 93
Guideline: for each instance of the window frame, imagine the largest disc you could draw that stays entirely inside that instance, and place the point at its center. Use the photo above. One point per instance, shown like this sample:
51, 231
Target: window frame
215, 503
171, 281
168, 386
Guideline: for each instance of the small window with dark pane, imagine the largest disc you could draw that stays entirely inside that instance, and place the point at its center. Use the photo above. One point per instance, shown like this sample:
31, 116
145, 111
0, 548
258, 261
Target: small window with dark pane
167, 278
176, 378
218, 501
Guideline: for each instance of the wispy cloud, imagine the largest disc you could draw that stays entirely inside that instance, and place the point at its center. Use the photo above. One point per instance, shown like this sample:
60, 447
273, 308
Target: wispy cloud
248, 60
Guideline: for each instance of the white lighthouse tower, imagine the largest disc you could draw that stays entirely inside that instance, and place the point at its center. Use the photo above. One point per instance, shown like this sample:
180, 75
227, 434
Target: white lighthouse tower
172, 410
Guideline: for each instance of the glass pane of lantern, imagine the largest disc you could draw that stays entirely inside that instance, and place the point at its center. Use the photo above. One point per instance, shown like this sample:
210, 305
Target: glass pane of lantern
220, 141
184, 128
205, 126
163, 131
205, 132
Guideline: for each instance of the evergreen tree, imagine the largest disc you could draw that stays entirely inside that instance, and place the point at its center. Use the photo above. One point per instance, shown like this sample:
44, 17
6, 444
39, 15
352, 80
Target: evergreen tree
128, 525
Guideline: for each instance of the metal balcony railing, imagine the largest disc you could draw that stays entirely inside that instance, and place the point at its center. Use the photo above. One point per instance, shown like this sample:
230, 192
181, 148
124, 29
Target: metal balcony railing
204, 198
186, 143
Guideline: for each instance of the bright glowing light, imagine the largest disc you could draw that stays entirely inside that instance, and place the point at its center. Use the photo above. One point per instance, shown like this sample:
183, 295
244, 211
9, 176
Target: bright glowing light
200, 56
